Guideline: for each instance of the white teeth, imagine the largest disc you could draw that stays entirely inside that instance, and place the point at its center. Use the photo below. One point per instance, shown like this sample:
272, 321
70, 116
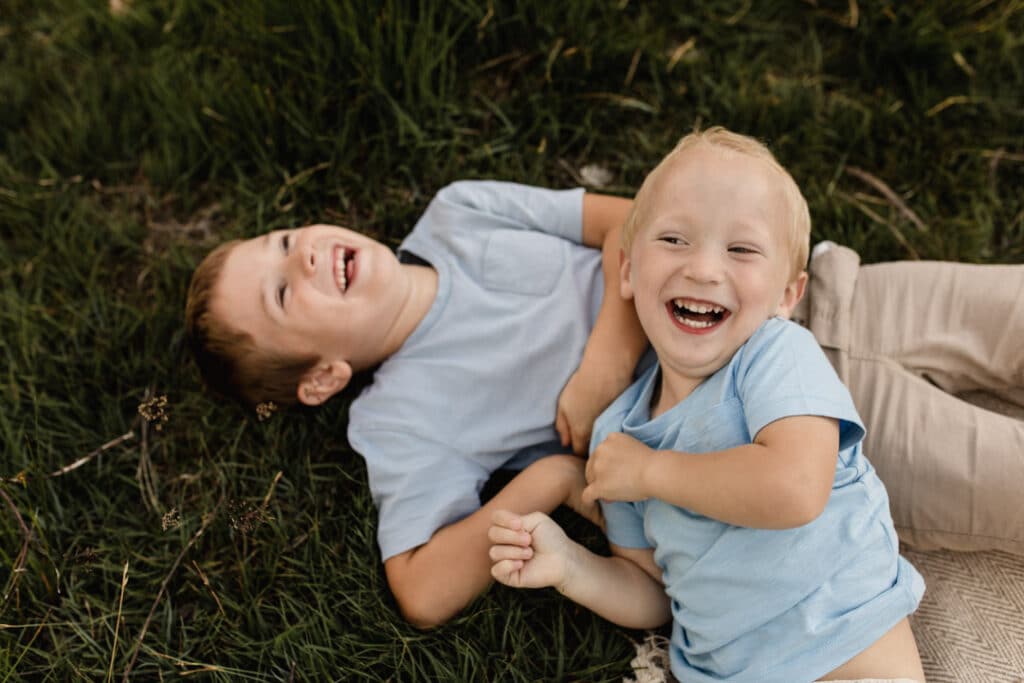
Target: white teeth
697, 324
698, 307
340, 277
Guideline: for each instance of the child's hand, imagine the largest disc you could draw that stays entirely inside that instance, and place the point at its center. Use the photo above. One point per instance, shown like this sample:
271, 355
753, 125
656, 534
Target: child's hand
528, 551
586, 394
615, 470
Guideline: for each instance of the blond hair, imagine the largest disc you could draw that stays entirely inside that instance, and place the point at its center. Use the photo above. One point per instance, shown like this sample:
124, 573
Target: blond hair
798, 227
229, 360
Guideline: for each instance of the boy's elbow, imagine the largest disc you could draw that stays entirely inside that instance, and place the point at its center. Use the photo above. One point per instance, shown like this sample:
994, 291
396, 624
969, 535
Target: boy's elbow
804, 506
423, 604
806, 514
421, 609
651, 620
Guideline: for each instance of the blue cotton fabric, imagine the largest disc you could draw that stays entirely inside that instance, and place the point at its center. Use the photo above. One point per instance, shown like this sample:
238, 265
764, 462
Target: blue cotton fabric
475, 387
766, 605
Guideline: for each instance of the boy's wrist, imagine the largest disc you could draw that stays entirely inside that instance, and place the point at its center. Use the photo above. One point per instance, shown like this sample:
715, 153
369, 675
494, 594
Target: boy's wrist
651, 472
571, 559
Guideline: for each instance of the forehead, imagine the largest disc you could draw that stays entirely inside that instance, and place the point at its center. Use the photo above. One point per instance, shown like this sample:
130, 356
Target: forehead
238, 296
708, 179
245, 262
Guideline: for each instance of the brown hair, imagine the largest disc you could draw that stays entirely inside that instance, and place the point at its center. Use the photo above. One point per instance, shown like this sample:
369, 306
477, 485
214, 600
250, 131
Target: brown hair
229, 360
798, 230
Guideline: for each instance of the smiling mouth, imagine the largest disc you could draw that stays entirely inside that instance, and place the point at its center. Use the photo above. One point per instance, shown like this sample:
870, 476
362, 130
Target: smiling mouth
344, 268
697, 316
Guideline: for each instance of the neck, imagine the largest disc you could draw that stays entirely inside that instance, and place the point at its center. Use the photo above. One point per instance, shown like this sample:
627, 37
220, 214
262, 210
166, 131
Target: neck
421, 290
672, 389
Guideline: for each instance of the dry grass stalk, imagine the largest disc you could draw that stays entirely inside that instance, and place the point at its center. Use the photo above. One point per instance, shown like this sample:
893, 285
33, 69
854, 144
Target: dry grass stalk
867, 211
889, 194
207, 519
206, 582
19, 561
117, 622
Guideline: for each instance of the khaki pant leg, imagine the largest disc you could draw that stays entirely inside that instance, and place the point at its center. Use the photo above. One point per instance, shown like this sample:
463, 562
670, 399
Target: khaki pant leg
960, 326
953, 471
918, 333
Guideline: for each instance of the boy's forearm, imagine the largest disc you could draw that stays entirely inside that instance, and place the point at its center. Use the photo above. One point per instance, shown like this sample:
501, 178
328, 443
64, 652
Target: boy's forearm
438, 579
616, 589
747, 486
617, 340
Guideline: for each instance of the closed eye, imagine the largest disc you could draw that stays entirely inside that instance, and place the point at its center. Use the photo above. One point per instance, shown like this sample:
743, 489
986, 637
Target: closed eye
280, 295
744, 250
285, 242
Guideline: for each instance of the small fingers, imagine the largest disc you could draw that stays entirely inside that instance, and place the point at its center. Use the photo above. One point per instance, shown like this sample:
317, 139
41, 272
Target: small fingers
507, 572
500, 535
507, 519
501, 553
590, 495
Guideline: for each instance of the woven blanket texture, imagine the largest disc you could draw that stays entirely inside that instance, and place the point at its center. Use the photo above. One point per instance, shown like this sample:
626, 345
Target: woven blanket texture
969, 626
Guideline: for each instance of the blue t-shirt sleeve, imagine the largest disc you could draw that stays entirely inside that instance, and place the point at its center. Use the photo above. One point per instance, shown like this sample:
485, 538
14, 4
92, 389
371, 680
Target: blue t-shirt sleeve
418, 486
624, 524
782, 372
513, 206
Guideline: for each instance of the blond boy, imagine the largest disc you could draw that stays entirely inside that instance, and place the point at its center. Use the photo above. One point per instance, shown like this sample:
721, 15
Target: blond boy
736, 497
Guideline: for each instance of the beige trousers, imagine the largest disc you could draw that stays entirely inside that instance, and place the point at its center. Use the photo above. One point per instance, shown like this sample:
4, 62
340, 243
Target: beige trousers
909, 339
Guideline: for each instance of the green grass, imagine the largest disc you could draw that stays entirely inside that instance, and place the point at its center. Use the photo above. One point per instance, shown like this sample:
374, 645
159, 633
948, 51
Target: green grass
132, 143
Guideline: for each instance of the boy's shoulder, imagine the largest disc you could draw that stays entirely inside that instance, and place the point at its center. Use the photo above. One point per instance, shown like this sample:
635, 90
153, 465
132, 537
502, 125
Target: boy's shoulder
482, 195
777, 330
779, 351
776, 336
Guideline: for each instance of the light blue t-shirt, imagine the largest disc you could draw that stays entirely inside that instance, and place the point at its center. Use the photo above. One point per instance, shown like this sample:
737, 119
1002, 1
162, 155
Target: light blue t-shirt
766, 605
476, 386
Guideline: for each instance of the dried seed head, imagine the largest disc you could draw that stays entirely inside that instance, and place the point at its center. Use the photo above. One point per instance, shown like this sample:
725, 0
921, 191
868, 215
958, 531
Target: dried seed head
265, 410
171, 519
155, 411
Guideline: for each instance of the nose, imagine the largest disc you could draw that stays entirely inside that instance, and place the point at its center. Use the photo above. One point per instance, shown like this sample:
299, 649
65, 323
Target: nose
304, 258
703, 265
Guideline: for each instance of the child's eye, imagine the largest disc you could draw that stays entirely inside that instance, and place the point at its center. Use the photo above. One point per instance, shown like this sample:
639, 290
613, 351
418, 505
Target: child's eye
743, 250
671, 240
285, 240
280, 295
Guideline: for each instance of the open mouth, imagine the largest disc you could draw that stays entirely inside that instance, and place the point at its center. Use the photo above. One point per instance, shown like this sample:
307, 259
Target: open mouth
697, 316
344, 267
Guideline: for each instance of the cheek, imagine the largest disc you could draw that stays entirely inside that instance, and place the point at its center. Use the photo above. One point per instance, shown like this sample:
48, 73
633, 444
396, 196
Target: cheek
764, 287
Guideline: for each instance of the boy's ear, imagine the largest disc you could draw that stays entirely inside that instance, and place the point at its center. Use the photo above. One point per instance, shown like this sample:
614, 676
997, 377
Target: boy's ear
625, 288
791, 297
324, 381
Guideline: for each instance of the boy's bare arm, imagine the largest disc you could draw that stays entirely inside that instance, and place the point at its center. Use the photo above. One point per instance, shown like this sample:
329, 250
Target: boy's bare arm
625, 589
435, 581
532, 551
782, 480
617, 340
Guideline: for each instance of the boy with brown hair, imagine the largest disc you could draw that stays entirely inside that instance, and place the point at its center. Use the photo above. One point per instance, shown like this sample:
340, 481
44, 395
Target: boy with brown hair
479, 336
